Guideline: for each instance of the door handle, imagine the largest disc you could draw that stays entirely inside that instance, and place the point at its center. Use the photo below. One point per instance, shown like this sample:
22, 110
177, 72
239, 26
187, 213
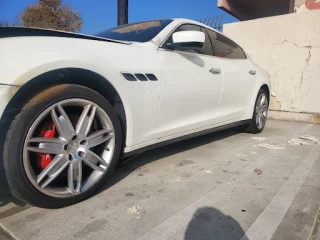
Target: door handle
215, 71
253, 72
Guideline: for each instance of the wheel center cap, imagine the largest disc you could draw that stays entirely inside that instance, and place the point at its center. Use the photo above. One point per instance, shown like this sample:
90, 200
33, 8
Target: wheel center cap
72, 147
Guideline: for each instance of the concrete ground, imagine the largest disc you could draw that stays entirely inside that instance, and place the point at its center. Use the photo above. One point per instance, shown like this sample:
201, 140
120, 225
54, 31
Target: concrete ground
226, 185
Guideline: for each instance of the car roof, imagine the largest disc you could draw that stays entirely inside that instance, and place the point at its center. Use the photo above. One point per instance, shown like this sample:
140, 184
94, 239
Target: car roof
180, 20
185, 20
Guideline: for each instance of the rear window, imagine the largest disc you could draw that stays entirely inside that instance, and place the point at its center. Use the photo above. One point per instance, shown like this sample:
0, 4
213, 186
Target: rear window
224, 47
136, 32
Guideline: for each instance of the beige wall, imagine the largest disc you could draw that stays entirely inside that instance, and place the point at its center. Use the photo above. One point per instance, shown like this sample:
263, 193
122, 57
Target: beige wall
288, 47
299, 3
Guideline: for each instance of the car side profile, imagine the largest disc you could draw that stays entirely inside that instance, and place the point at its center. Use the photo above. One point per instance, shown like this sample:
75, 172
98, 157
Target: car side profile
72, 105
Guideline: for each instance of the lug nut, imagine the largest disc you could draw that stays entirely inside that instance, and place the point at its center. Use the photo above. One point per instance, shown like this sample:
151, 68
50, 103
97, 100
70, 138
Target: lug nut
81, 154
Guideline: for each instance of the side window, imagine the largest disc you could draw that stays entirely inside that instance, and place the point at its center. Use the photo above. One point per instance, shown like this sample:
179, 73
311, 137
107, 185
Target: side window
206, 49
224, 47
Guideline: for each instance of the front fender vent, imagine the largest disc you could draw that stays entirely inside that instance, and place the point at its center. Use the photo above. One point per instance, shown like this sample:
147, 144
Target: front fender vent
129, 76
139, 76
151, 77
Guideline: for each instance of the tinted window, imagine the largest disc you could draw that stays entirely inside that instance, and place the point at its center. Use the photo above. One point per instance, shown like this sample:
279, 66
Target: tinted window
136, 32
224, 47
206, 49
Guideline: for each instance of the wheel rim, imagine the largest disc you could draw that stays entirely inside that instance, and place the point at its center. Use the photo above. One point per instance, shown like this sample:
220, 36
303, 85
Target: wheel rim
81, 149
261, 111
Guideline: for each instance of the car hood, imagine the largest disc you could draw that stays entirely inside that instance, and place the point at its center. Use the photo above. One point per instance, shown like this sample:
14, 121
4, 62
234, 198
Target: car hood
7, 32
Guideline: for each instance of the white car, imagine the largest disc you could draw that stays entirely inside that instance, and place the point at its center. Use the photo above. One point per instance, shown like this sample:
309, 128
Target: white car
72, 104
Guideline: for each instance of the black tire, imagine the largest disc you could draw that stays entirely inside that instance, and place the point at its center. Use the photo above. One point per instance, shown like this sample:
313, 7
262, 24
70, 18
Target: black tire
253, 126
20, 185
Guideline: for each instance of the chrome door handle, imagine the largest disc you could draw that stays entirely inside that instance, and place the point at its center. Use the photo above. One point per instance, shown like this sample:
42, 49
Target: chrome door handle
253, 72
215, 71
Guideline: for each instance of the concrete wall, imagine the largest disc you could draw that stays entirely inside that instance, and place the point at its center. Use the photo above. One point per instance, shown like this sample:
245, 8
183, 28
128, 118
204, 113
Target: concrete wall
288, 47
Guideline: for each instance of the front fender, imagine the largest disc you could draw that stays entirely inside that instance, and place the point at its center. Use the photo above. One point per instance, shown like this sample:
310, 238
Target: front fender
24, 58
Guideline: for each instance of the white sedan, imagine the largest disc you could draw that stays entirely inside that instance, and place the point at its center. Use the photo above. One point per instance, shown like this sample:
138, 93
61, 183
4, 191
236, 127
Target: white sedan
72, 104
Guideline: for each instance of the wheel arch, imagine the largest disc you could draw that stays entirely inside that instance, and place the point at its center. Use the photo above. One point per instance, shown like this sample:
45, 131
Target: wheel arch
266, 88
78, 76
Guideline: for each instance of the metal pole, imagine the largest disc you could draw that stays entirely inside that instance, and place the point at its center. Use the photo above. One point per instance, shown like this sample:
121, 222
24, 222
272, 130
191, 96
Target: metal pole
122, 12
208, 21
220, 27
212, 22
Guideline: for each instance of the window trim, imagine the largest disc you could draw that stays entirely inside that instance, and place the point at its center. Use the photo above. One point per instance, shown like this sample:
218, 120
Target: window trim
207, 29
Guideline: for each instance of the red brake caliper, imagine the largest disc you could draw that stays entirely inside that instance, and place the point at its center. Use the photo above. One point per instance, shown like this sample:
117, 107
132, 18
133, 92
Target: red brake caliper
47, 131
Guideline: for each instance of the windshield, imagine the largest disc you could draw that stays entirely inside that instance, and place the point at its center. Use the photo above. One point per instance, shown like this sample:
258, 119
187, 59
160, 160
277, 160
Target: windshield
136, 32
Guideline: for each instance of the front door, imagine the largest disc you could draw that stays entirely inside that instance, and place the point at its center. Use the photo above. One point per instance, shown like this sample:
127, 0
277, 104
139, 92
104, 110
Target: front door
190, 87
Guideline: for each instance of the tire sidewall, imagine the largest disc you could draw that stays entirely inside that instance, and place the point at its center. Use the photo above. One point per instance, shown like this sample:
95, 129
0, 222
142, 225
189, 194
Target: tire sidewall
253, 125
13, 154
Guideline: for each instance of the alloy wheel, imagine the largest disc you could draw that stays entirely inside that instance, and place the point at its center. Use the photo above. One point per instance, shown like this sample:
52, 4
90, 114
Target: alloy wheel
68, 148
261, 111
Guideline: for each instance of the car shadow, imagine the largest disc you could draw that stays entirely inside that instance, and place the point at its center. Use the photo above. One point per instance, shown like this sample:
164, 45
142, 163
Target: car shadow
125, 167
209, 223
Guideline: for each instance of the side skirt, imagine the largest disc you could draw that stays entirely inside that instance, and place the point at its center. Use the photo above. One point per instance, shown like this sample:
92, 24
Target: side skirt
192, 135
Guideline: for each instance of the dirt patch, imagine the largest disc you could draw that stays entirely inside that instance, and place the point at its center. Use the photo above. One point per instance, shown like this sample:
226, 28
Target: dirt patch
315, 118
310, 138
90, 228
297, 142
184, 163
134, 209
304, 140
258, 138
269, 146
258, 171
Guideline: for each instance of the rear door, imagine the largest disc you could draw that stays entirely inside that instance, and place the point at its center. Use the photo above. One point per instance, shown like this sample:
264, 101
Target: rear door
190, 90
239, 78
